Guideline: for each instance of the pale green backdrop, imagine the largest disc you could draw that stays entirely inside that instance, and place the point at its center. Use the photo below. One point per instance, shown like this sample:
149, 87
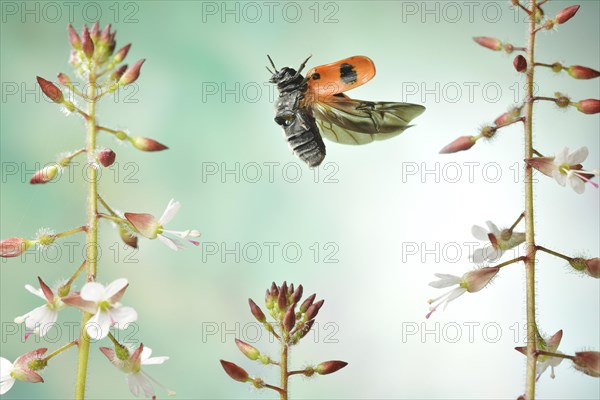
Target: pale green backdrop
388, 215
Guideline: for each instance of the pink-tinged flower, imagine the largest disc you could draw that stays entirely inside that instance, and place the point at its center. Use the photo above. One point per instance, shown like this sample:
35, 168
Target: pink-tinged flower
23, 369
566, 14
580, 72
148, 226
45, 174
74, 37
329, 367
106, 157
543, 361
588, 106
566, 168
146, 144
139, 381
132, 74
488, 42
41, 319
520, 63
13, 247
472, 281
461, 144
50, 90
588, 362
500, 242
103, 303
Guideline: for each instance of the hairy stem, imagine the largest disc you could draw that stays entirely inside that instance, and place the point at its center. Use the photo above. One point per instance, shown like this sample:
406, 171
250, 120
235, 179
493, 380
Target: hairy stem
529, 222
283, 364
92, 235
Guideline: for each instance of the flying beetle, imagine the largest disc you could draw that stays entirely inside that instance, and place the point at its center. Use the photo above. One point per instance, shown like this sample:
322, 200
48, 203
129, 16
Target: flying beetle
316, 105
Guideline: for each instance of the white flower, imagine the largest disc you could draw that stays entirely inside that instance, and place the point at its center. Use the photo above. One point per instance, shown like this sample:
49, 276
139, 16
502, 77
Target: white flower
148, 226
139, 382
500, 242
20, 370
103, 302
544, 361
6, 379
41, 319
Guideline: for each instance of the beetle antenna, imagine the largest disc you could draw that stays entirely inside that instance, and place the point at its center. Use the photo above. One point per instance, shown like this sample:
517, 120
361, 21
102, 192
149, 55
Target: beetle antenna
272, 63
303, 64
271, 72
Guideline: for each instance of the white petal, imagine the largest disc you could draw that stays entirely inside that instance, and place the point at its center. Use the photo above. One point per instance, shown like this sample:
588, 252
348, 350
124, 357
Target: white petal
121, 317
93, 291
6, 381
478, 256
493, 228
155, 360
139, 384
37, 292
576, 183
559, 177
492, 254
42, 318
479, 232
170, 211
114, 287
169, 242
554, 361
562, 156
146, 353
6, 384
445, 281
459, 291
578, 156
98, 326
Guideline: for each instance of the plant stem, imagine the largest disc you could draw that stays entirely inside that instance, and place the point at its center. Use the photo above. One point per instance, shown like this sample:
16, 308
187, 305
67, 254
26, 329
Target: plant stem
60, 350
283, 364
517, 222
529, 222
554, 253
557, 355
92, 235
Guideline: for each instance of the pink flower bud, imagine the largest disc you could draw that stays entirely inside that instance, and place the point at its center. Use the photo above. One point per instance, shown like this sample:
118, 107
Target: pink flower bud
490, 43
74, 37
476, 280
289, 319
236, 373
256, 311
282, 298
122, 53
145, 224
313, 310
588, 362
44, 175
118, 73
592, 267
146, 144
297, 294
520, 63
588, 106
307, 303
460, 144
13, 247
50, 90
64, 79
95, 32
566, 14
249, 351
579, 72
329, 367
106, 157
87, 45
543, 164
508, 117
307, 328
132, 74
105, 35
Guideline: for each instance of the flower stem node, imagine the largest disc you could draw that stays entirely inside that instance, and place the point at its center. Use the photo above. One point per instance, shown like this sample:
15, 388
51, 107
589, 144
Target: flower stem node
562, 101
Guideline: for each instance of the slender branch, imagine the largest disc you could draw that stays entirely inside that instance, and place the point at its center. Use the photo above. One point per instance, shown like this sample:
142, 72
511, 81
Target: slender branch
278, 390
557, 355
522, 7
300, 372
60, 350
514, 260
517, 222
529, 220
522, 119
71, 232
538, 64
75, 275
117, 220
554, 253
537, 153
284, 370
107, 207
552, 99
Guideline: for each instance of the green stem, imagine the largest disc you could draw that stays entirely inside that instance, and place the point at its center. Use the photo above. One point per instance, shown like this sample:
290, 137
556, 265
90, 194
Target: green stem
514, 260
91, 238
71, 232
60, 350
557, 355
554, 253
529, 221
283, 395
517, 222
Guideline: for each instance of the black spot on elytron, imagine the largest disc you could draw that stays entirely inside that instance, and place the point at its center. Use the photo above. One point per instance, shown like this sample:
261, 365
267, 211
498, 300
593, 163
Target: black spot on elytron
347, 73
316, 76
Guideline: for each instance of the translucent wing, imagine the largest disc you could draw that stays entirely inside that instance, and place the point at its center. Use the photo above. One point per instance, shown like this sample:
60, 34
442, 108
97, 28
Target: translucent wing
348, 121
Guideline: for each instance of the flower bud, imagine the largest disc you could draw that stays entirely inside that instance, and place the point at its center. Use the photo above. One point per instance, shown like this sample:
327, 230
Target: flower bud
579, 72
87, 45
588, 106
461, 144
95, 32
105, 34
289, 319
307, 328
122, 53
307, 303
44, 175
282, 298
476, 280
132, 74
235, 372
588, 362
329, 367
490, 43
118, 73
297, 294
50, 90
146, 144
64, 79
543, 164
313, 310
128, 237
592, 267
13, 247
256, 311
106, 157
520, 63
249, 351
74, 37
566, 14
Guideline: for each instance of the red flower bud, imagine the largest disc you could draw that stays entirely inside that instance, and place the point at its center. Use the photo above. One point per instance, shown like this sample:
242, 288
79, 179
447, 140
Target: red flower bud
235, 372
132, 74
588, 106
146, 144
95, 32
282, 299
297, 294
122, 53
249, 351
579, 72
520, 63
106, 157
13, 247
87, 45
307, 303
44, 175
588, 362
490, 43
289, 319
566, 14
118, 73
460, 144
313, 310
307, 328
256, 311
74, 37
329, 367
105, 35
64, 79
592, 267
51, 90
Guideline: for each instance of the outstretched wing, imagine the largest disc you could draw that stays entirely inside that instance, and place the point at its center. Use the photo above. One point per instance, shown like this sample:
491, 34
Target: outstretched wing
348, 121
340, 76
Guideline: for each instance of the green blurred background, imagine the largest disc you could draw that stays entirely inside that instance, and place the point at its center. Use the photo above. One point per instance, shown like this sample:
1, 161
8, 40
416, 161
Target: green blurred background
383, 224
